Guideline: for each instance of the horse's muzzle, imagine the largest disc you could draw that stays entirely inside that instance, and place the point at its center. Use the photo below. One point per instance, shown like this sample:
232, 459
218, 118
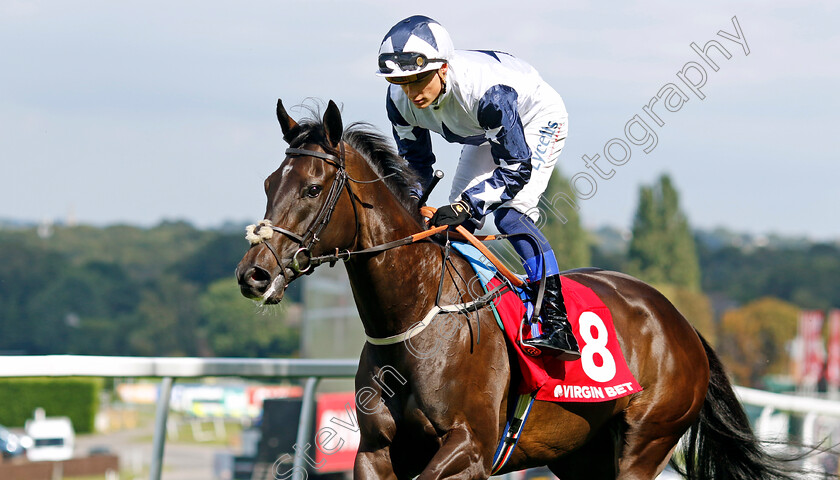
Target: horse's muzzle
253, 281
258, 283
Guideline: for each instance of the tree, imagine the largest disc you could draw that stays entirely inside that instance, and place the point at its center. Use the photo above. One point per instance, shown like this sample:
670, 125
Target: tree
27, 272
754, 337
45, 300
807, 277
145, 253
662, 249
167, 319
214, 260
233, 326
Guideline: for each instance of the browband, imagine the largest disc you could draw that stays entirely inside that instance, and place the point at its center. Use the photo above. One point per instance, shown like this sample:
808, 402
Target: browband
312, 153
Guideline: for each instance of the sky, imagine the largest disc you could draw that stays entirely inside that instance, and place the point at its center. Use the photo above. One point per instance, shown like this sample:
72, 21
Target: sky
142, 111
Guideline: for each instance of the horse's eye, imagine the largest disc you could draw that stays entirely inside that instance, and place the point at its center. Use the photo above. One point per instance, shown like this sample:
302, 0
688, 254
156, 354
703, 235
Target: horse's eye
313, 191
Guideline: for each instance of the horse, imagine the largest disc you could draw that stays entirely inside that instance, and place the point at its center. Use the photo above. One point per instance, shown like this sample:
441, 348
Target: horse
343, 194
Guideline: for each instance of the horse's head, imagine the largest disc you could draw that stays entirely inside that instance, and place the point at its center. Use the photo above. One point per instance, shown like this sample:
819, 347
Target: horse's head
309, 211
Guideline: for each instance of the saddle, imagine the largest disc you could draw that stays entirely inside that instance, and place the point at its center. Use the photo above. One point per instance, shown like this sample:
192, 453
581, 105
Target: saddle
600, 375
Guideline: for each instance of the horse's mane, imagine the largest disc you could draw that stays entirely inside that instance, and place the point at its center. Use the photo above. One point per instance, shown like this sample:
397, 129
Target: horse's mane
371, 144
380, 154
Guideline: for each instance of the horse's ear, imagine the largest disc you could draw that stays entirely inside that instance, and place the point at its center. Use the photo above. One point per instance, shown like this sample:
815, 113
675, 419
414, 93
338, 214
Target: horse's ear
288, 125
332, 124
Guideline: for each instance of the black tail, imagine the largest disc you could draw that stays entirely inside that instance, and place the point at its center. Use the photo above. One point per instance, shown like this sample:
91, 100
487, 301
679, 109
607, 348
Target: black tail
721, 444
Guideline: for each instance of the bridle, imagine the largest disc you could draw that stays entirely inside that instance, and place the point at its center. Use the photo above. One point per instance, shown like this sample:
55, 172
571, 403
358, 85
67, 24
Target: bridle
302, 261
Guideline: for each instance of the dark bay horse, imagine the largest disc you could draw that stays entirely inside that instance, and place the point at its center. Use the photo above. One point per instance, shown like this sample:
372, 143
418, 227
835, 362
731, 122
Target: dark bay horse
341, 194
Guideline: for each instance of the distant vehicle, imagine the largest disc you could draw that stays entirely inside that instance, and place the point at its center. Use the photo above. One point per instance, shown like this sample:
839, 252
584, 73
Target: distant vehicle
53, 438
12, 445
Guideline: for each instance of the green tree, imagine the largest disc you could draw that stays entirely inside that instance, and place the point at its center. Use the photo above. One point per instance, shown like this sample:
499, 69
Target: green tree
232, 326
167, 319
28, 271
662, 249
145, 253
646, 255
45, 300
807, 277
216, 259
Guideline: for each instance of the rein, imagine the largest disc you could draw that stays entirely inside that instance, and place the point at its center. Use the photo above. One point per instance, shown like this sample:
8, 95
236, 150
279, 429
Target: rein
303, 263
255, 233
264, 230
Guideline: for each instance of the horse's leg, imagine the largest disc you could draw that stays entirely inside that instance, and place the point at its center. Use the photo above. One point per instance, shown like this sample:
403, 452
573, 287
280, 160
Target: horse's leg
376, 424
656, 420
373, 459
595, 460
638, 453
646, 458
458, 458
668, 360
374, 464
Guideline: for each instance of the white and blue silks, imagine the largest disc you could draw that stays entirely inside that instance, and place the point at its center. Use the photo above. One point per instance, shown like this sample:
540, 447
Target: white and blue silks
513, 127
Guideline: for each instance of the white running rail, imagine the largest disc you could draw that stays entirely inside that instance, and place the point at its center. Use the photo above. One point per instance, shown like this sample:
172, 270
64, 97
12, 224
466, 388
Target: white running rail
171, 368
313, 370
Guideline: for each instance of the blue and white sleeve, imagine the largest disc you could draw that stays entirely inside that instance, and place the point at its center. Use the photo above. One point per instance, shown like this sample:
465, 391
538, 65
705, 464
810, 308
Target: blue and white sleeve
499, 117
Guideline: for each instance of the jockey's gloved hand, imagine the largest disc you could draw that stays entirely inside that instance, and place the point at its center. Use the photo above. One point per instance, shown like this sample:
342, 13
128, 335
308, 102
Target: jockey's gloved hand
452, 214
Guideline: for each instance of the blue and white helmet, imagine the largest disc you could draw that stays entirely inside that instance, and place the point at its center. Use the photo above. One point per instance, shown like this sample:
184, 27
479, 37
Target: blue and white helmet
413, 46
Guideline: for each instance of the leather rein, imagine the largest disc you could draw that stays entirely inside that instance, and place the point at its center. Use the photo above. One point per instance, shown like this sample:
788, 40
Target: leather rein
302, 262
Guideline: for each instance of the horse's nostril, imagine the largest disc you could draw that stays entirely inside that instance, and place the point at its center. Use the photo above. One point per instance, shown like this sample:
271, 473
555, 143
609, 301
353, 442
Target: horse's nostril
258, 275
254, 281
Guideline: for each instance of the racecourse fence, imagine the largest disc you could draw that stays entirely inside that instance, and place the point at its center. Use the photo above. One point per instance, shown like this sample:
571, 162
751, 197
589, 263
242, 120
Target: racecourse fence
313, 370
169, 369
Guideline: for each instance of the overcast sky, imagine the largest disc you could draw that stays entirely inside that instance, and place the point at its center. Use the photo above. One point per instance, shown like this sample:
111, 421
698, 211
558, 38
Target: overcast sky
141, 111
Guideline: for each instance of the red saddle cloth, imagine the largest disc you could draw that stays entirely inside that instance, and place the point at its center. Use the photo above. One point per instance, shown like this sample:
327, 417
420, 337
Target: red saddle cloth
600, 375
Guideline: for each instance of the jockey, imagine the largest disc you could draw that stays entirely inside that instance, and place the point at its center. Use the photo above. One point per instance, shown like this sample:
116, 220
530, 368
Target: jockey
512, 125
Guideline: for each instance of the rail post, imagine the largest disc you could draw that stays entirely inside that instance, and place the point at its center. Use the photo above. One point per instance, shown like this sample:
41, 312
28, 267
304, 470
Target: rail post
156, 464
304, 428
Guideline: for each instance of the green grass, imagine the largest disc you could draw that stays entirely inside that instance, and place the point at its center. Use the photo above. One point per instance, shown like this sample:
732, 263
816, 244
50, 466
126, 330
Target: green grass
186, 434
122, 476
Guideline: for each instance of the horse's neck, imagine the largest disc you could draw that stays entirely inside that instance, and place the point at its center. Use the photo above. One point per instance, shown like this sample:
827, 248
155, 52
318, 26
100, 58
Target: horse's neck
394, 287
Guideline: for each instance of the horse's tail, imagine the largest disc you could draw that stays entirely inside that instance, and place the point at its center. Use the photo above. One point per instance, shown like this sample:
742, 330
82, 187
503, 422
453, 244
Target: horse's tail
721, 444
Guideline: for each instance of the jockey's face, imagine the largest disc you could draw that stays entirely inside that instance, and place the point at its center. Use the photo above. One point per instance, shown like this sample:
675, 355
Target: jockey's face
426, 88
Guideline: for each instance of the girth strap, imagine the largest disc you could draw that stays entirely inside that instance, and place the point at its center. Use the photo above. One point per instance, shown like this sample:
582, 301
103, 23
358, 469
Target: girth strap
418, 327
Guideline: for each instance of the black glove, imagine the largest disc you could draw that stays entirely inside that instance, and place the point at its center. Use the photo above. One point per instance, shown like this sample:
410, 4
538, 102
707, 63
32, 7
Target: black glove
452, 214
